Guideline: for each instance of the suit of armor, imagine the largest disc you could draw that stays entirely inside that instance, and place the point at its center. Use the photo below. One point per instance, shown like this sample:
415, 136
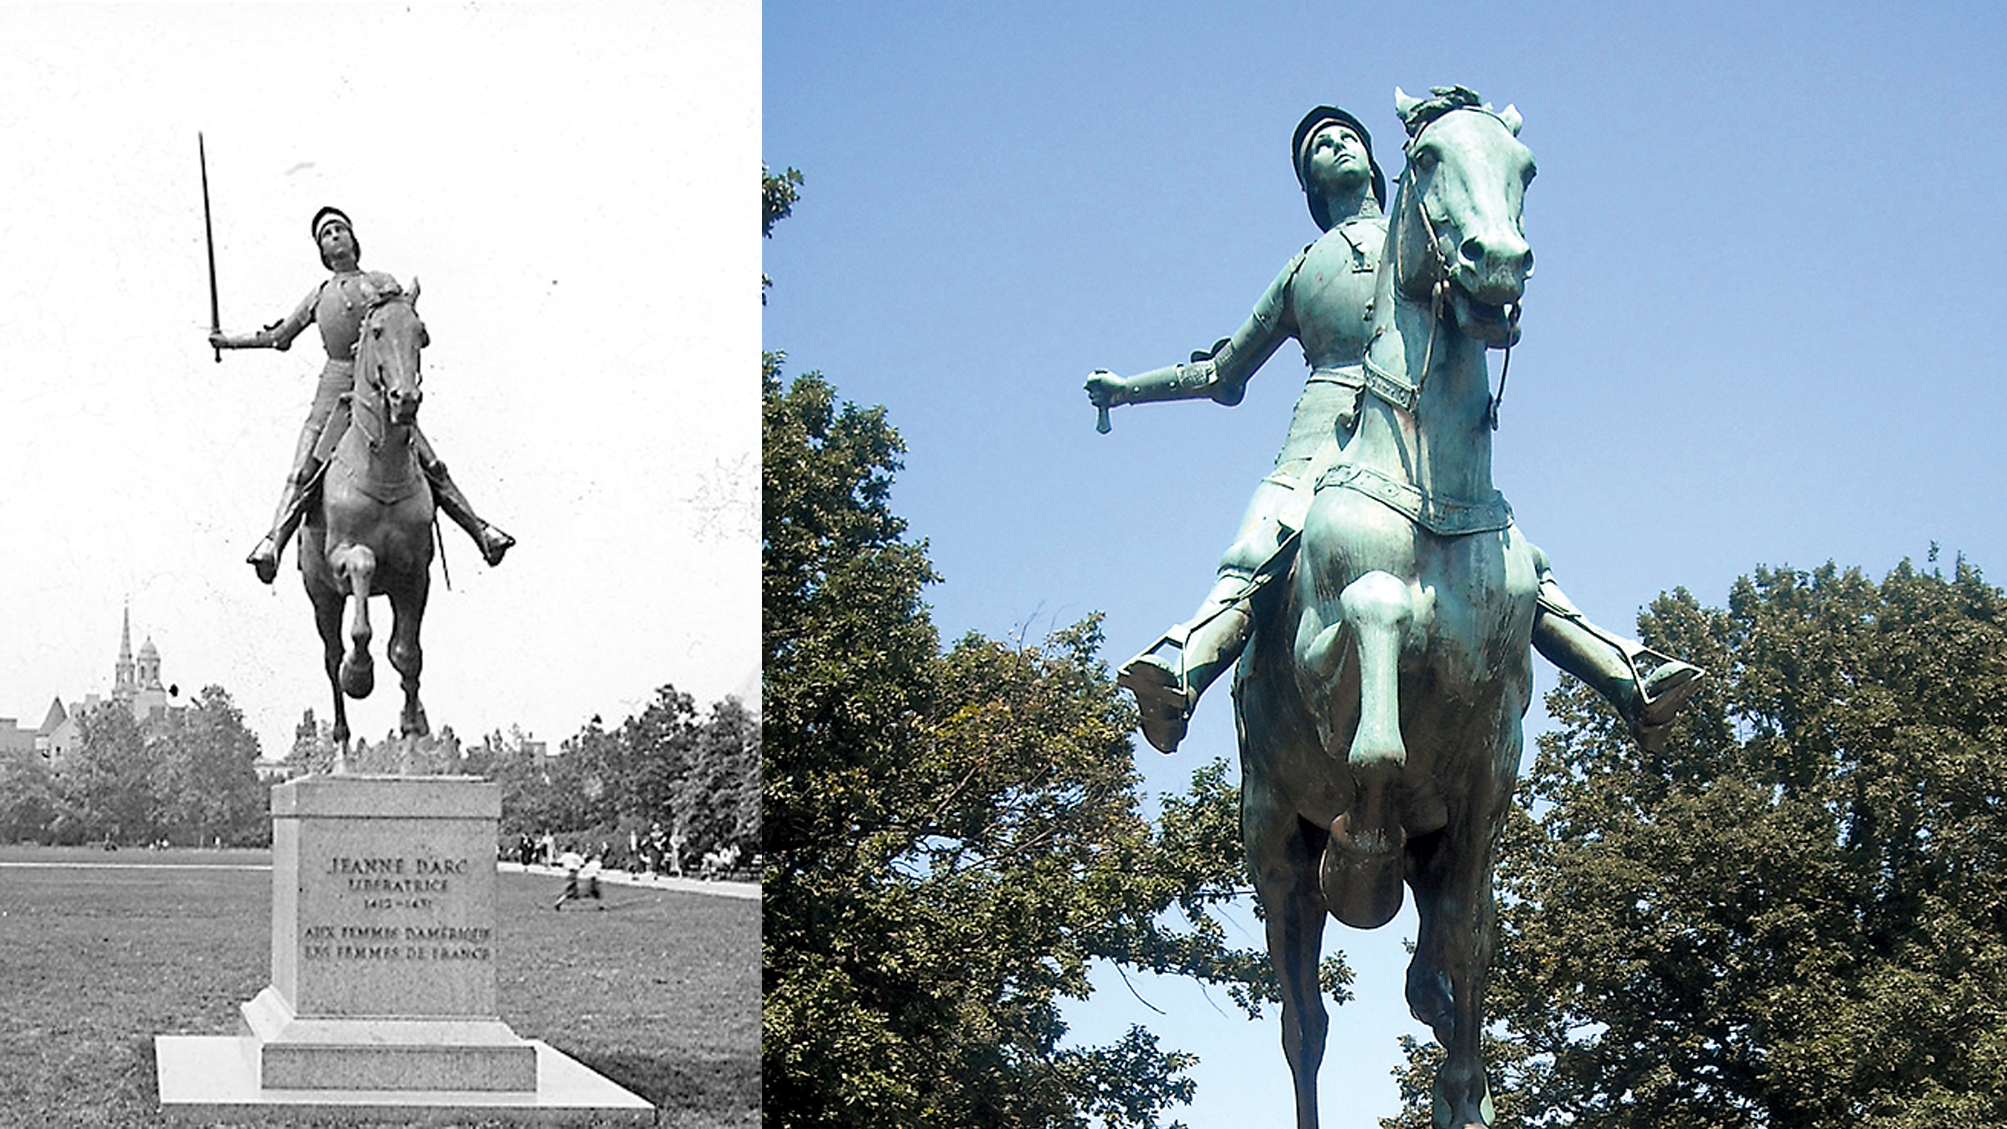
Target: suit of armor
1323, 298
337, 307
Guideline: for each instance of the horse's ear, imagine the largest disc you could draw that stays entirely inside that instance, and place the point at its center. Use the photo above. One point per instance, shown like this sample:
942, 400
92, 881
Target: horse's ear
1510, 116
1404, 105
414, 278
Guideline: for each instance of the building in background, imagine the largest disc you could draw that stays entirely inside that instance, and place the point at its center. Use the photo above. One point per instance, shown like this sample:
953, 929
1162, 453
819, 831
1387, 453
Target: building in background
136, 687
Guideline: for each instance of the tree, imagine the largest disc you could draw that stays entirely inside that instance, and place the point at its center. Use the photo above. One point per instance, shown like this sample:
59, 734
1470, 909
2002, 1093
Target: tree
660, 743
1796, 915
313, 747
729, 771
27, 797
205, 787
778, 192
105, 791
950, 839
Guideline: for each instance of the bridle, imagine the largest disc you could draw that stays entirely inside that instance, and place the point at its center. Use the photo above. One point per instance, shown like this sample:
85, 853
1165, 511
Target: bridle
372, 374
1395, 389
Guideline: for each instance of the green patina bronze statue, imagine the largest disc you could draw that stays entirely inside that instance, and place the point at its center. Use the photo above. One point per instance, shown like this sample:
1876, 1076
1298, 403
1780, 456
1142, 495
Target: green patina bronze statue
1324, 299
338, 306
1382, 602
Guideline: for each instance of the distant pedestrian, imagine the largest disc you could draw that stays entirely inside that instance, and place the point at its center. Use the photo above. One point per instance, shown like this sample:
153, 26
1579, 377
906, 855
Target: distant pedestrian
573, 863
590, 873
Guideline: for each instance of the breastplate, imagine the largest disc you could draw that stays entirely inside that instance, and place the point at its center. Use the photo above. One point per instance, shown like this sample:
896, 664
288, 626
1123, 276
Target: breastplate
339, 314
1333, 292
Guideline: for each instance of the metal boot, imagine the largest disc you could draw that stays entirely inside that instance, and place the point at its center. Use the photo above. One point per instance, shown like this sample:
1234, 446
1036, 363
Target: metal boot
1168, 687
493, 542
264, 559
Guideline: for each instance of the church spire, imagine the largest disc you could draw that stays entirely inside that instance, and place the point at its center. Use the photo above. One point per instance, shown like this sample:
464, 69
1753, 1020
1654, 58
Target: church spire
125, 673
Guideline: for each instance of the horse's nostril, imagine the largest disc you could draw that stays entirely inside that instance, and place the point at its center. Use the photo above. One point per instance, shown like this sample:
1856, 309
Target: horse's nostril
1472, 250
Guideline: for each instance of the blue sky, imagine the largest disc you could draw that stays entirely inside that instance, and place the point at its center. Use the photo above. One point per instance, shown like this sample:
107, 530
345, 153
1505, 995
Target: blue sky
1762, 331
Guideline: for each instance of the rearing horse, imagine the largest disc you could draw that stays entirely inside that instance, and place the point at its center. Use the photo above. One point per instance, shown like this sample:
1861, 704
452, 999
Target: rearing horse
1379, 704
371, 534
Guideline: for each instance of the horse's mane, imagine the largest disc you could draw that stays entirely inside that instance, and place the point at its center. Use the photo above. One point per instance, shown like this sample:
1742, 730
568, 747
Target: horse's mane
1418, 116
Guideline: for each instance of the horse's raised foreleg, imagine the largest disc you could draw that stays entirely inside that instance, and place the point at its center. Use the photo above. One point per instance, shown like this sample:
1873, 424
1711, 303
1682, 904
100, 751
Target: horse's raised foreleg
1282, 852
406, 656
1361, 871
355, 568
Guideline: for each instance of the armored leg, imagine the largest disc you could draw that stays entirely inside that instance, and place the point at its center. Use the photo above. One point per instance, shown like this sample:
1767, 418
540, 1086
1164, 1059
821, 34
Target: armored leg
264, 559
493, 542
1647, 687
1167, 686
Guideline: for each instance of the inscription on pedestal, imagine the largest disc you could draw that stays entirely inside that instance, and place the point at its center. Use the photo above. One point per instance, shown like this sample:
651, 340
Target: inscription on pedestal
389, 908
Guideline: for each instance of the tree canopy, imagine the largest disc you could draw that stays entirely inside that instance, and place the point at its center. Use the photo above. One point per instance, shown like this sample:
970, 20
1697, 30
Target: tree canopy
951, 837
184, 776
1796, 915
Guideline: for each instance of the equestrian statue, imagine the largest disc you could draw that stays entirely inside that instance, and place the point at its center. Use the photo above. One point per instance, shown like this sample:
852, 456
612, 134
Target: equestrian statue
365, 481
1379, 599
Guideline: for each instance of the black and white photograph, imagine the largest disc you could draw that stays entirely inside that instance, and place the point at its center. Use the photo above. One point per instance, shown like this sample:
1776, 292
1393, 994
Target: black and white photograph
379, 678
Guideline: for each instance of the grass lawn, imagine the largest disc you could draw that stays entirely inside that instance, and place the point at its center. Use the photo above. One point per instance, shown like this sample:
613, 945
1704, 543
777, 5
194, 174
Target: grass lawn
659, 993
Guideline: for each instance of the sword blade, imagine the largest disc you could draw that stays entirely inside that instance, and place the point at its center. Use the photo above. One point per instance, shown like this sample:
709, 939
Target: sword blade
209, 242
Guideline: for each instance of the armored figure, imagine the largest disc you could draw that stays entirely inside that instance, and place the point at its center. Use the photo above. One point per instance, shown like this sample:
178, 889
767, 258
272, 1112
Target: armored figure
1323, 298
337, 306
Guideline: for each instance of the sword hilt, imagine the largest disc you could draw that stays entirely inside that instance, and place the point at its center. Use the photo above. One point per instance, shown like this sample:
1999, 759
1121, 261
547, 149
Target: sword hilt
1101, 420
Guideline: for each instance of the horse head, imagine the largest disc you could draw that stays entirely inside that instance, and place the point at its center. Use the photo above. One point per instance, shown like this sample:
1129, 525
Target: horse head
1458, 228
387, 360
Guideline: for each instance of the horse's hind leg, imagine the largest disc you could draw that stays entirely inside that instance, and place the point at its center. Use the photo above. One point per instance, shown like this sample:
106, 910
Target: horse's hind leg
1453, 950
327, 619
407, 657
1282, 852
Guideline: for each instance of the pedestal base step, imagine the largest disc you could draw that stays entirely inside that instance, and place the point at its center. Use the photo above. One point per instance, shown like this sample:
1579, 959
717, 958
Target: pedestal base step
209, 1078
392, 1053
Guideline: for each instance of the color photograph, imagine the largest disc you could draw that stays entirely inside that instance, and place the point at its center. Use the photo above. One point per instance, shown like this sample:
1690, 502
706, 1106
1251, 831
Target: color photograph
1105, 338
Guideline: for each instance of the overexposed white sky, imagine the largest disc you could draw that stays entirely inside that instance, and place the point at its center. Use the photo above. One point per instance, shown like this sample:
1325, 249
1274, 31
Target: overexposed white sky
573, 185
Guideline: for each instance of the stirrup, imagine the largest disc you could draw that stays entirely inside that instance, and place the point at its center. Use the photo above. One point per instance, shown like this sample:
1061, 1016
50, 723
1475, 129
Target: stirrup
494, 543
264, 560
1661, 692
1164, 699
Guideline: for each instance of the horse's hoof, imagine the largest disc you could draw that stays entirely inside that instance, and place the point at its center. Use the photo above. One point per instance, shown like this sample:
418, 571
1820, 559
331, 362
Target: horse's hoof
1361, 873
1444, 1116
358, 678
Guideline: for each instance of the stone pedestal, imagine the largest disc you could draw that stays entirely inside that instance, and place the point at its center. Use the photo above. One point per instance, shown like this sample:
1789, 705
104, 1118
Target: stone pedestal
383, 964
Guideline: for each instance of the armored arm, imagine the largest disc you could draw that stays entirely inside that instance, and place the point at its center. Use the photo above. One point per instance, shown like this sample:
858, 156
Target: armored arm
1220, 373
278, 335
